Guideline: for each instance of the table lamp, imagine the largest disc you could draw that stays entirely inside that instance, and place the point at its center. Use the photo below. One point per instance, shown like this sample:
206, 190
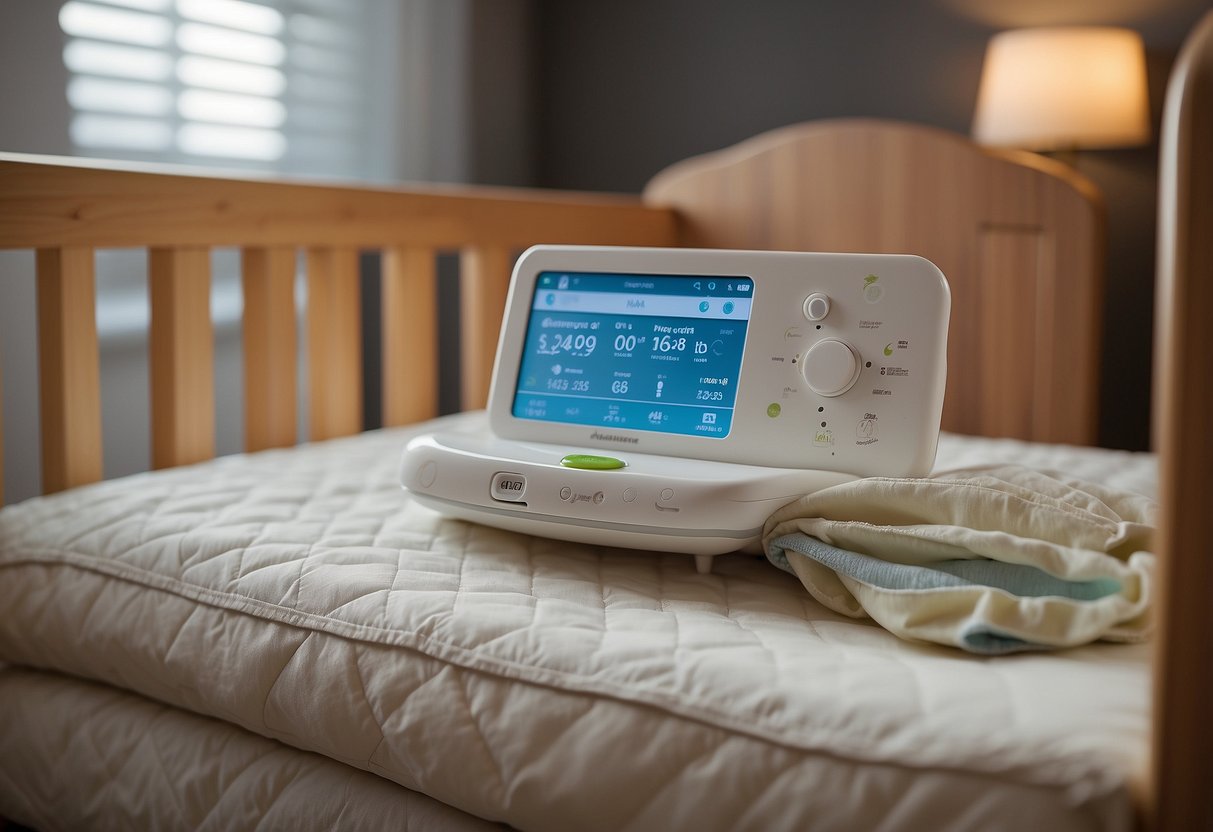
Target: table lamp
1063, 89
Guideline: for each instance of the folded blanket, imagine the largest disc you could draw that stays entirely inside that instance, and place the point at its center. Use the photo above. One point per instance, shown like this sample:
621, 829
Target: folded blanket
991, 560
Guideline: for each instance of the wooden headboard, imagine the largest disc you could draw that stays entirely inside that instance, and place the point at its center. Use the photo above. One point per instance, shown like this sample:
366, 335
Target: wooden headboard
1019, 236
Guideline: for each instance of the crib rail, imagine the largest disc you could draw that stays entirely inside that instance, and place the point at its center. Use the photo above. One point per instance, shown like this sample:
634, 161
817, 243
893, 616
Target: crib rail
1182, 757
67, 209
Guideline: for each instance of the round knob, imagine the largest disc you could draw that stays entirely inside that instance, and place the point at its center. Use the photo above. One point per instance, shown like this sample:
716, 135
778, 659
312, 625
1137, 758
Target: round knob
816, 306
830, 367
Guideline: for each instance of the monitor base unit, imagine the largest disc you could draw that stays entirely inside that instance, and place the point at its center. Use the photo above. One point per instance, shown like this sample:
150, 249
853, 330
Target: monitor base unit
588, 495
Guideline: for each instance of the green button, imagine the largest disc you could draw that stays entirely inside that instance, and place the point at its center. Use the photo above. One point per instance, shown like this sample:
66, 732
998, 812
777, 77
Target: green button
591, 462
773, 409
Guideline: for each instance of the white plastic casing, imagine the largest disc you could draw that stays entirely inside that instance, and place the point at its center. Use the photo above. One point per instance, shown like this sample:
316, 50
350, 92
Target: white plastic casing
890, 309
879, 368
662, 503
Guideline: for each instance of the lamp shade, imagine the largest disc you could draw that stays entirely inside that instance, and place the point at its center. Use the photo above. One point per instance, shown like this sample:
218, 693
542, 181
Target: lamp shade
1064, 87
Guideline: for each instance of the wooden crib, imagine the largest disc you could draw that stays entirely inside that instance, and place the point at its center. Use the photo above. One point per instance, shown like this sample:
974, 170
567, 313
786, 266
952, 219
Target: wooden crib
1019, 237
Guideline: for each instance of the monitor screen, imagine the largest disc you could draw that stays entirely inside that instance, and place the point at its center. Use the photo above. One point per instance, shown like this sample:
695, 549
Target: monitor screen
643, 352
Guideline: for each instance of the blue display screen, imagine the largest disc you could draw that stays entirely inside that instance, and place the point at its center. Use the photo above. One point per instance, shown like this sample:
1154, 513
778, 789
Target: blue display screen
655, 353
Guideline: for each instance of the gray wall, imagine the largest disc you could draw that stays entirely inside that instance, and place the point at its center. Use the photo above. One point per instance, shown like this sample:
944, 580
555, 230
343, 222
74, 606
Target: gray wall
628, 87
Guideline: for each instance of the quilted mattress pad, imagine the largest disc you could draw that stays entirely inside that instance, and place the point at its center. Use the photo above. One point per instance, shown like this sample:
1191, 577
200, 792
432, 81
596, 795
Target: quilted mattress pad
298, 594
81, 755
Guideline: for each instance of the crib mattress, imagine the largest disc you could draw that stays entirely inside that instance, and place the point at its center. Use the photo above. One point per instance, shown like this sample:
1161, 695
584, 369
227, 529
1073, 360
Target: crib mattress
81, 755
299, 595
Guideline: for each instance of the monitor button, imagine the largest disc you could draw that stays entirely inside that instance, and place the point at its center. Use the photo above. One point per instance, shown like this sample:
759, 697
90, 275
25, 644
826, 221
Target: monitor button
427, 473
592, 462
816, 306
507, 487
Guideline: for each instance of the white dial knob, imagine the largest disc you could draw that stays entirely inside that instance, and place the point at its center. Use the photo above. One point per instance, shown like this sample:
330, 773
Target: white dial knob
830, 367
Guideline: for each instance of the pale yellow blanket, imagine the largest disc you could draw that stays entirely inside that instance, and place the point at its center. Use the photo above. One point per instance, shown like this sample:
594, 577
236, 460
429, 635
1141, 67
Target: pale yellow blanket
991, 560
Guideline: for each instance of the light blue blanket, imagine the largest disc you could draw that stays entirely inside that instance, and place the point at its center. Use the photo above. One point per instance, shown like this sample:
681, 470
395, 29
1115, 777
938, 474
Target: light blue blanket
978, 637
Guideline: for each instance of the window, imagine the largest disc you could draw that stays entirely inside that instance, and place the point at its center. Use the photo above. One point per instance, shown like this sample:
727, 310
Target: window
274, 84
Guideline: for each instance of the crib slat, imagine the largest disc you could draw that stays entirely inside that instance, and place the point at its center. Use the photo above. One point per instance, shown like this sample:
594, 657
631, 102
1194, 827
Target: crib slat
484, 280
334, 343
182, 356
268, 282
68, 369
410, 335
